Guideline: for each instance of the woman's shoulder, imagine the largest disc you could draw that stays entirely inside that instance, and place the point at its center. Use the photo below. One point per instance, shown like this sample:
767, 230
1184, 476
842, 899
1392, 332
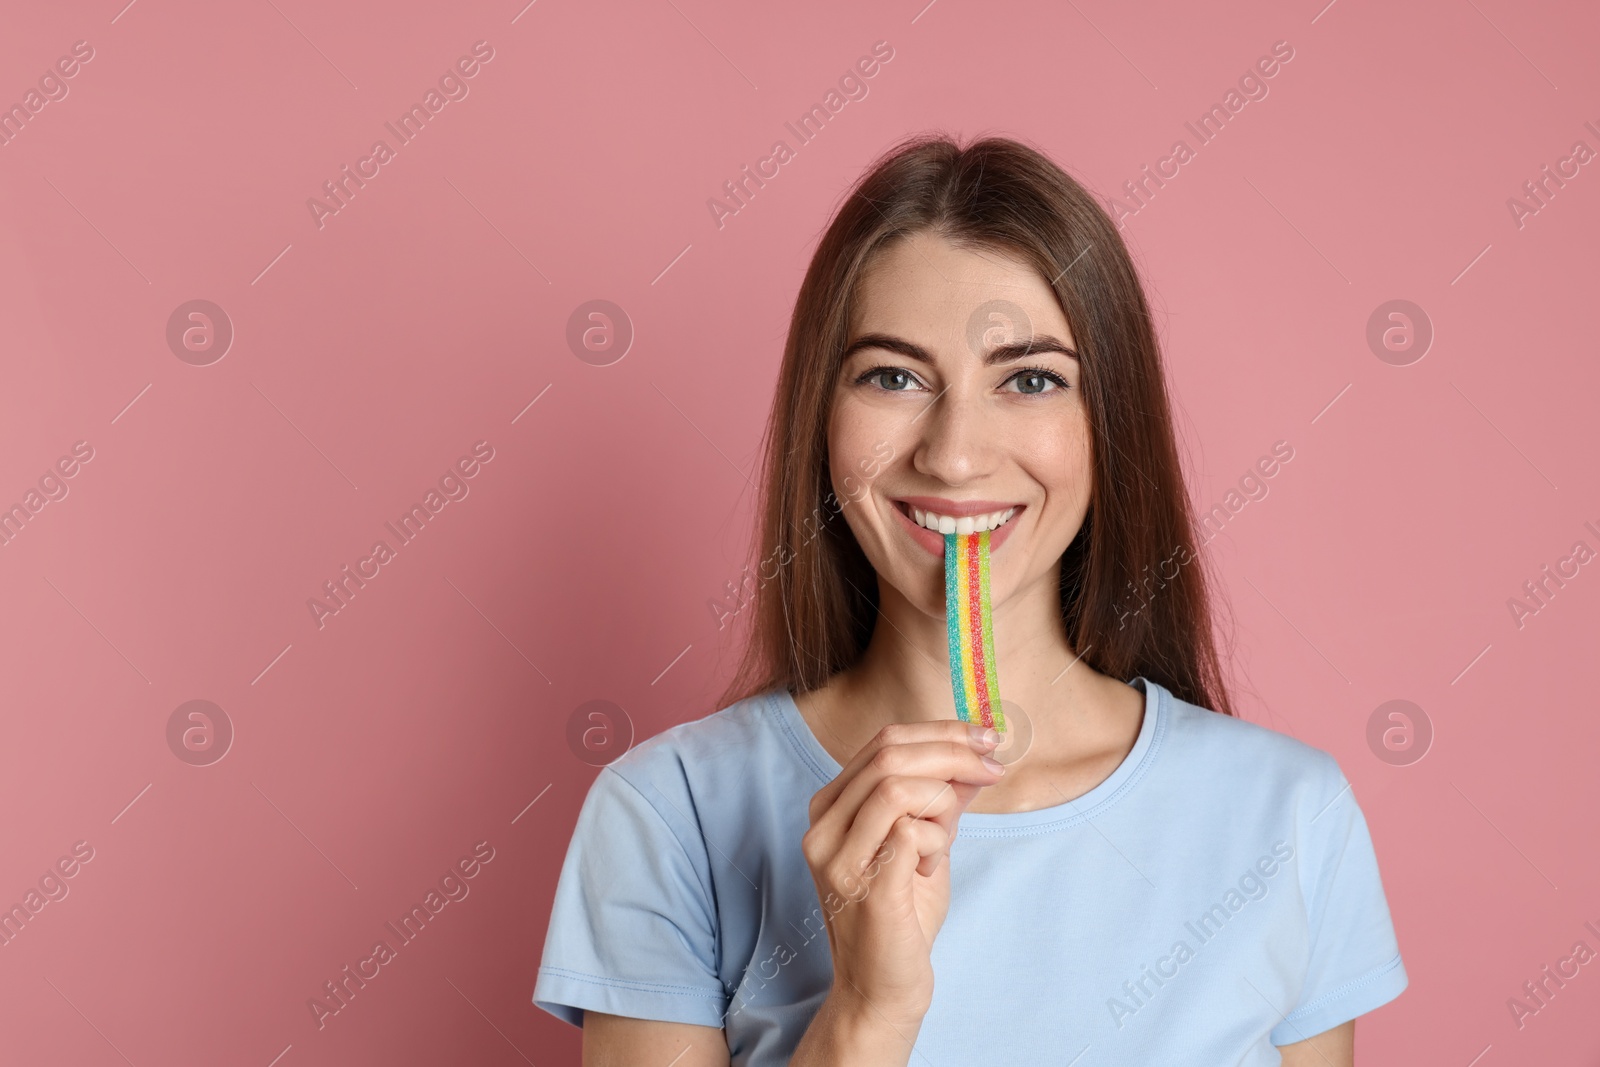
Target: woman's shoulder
1227, 748
715, 756
744, 727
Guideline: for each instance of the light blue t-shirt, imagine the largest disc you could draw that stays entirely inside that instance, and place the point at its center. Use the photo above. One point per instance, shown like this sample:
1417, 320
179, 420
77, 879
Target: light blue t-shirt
1216, 896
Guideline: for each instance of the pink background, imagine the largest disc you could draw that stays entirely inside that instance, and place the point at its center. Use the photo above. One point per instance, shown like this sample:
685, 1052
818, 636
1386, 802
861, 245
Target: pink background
370, 354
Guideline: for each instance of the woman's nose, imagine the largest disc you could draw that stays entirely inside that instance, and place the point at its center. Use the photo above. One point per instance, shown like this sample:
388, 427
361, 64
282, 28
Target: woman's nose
955, 438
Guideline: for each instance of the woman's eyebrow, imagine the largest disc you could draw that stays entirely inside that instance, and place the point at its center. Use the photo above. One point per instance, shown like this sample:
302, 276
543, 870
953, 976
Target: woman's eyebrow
1000, 354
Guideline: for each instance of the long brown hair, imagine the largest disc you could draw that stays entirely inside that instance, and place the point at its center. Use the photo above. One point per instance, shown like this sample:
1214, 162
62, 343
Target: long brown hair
814, 604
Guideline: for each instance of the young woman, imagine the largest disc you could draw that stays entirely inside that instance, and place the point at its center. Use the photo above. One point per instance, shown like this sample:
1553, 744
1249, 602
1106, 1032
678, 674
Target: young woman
833, 869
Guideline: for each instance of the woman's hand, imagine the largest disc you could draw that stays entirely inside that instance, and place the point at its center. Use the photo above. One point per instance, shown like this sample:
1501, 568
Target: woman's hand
880, 834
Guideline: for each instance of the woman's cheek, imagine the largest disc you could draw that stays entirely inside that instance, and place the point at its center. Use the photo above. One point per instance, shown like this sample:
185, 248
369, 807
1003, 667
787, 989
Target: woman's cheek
1062, 453
858, 424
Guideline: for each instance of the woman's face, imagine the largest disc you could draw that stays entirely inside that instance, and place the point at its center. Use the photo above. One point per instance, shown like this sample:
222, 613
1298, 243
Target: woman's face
941, 409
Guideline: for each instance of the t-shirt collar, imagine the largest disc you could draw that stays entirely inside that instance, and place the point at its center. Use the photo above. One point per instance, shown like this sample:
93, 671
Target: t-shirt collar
1001, 824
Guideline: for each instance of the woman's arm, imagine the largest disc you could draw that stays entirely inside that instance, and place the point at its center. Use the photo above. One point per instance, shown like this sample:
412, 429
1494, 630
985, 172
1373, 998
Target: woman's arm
618, 1041
1331, 1048
845, 1033
838, 1036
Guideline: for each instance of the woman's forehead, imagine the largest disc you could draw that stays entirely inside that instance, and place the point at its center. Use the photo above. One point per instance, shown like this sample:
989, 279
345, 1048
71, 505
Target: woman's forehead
939, 295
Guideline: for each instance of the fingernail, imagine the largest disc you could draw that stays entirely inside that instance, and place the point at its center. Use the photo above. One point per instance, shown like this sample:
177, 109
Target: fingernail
983, 735
994, 765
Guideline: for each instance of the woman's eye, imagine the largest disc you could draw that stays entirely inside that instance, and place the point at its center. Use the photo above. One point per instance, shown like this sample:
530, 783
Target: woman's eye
1036, 381
893, 379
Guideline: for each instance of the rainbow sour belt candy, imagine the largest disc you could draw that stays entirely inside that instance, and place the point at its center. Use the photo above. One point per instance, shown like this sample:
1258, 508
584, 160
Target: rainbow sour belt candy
974, 674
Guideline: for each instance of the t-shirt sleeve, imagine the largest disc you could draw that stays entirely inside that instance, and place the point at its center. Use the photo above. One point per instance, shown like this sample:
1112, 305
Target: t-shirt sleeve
1355, 961
633, 926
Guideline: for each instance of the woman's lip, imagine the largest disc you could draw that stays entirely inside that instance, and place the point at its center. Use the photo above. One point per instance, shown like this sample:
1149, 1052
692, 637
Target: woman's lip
934, 542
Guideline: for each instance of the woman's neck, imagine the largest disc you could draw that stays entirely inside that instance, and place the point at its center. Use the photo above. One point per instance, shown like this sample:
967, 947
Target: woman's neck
903, 676
906, 664
1081, 723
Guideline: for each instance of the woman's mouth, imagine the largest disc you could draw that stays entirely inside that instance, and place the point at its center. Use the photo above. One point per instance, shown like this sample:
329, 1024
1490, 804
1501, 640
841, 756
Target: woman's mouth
965, 524
928, 519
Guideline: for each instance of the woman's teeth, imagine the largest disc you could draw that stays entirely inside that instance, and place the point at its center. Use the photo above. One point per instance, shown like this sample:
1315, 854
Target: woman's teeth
967, 524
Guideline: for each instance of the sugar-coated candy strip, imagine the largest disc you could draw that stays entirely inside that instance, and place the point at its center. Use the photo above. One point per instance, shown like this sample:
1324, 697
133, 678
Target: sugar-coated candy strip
969, 629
